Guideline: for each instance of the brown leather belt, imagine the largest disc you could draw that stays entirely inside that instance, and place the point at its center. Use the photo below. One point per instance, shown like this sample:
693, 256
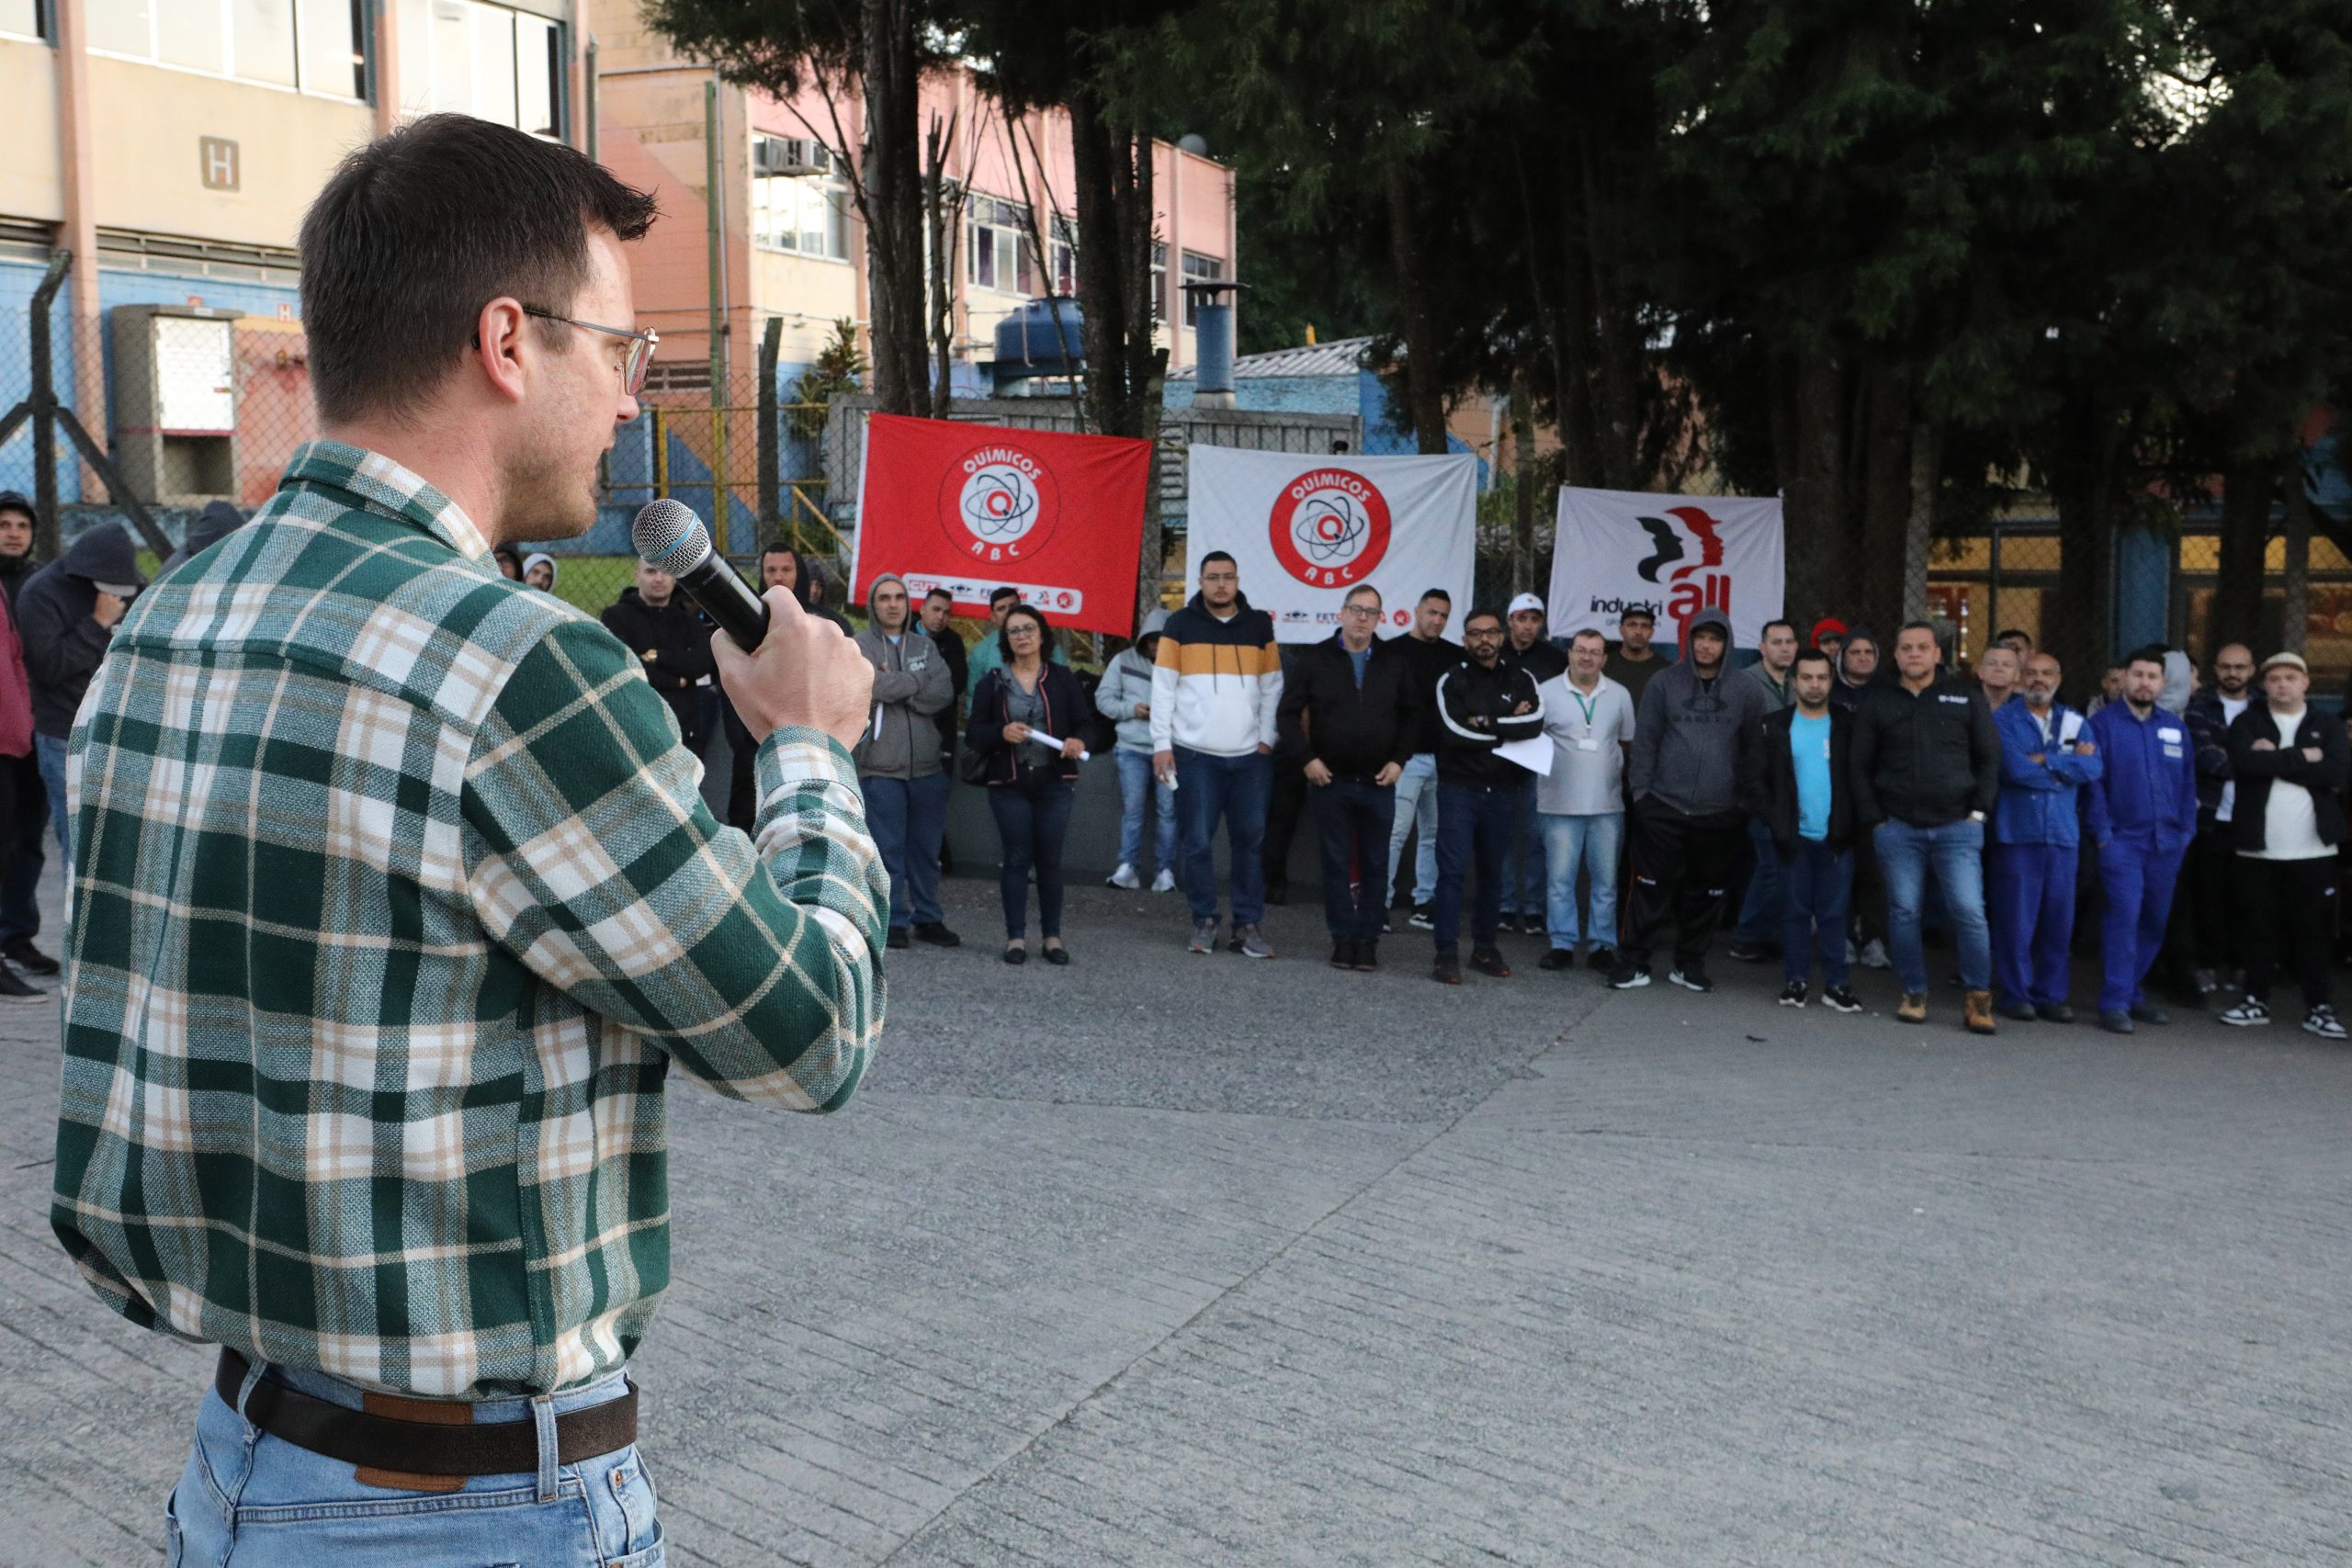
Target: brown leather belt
423, 1448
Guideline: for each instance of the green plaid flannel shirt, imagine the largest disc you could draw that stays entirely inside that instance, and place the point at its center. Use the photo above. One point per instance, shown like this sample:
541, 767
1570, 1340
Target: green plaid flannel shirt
394, 901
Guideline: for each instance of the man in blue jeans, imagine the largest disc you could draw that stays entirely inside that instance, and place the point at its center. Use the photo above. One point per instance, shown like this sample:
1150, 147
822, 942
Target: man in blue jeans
1581, 802
1796, 788
1484, 704
1217, 687
1927, 774
2143, 813
1764, 908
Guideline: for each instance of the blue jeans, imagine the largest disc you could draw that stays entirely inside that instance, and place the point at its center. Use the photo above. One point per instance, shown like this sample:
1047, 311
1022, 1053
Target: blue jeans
1525, 890
1239, 789
2029, 898
1816, 883
283, 1507
23, 856
2137, 878
1956, 853
1353, 818
1473, 828
1032, 819
1136, 787
51, 752
1416, 808
907, 818
1766, 908
1593, 843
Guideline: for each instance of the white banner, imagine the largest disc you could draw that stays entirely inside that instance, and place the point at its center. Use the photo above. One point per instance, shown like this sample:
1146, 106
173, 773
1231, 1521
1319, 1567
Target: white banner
1672, 555
1304, 530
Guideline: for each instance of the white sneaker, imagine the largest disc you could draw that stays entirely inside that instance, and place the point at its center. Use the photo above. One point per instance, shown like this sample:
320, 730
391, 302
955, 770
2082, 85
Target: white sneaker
1165, 882
1874, 955
2322, 1021
1123, 878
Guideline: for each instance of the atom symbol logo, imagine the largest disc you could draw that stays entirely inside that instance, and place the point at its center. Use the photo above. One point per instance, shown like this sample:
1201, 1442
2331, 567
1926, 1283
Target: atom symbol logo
998, 503
1329, 528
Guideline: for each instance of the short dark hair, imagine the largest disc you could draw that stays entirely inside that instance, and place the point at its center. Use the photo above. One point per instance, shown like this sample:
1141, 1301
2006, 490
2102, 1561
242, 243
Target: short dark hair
1488, 613
2019, 631
1214, 557
999, 596
1767, 631
2154, 653
1438, 593
416, 231
1927, 627
1045, 631
778, 547
1636, 613
1813, 655
1592, 632
939, 593
1349, 597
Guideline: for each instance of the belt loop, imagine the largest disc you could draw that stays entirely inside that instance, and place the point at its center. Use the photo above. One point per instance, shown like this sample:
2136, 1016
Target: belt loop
254, 1370
543, 1419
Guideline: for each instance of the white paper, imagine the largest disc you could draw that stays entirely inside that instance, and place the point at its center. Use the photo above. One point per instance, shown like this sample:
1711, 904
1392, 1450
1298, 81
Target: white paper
1534, 754
2069, 728
1042, 739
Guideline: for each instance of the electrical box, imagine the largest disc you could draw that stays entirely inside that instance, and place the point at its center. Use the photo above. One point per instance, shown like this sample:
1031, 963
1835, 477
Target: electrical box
175, 403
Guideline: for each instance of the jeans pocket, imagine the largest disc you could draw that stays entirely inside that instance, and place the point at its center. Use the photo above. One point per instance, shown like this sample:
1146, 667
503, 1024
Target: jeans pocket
623, 1507
174, 1547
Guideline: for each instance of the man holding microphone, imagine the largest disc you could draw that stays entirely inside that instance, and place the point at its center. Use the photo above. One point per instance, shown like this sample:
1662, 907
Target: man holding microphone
401, 906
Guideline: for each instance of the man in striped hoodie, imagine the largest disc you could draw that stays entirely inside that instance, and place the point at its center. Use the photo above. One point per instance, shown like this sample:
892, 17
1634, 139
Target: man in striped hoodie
1215, 689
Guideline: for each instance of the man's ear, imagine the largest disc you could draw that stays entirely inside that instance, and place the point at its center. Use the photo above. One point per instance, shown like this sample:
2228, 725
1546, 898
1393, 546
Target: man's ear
498, 345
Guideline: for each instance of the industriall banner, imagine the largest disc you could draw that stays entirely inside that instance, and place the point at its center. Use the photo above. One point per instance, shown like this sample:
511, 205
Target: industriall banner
1305, 529
1672, 555
971, 508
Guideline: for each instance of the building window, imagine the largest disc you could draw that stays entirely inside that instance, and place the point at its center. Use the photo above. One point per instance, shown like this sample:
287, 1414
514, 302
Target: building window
317, 45
1064, 247
799, 199
999, 256
489, 61
1199, 269
22, 18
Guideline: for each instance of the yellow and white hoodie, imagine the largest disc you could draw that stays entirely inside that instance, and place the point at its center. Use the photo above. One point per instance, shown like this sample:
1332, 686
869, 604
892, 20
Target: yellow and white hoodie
1216, 683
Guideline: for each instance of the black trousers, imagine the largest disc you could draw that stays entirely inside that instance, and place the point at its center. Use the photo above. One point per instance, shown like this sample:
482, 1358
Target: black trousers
1682, 867
2286, 918
1353, 818
1287, 805
2203, 931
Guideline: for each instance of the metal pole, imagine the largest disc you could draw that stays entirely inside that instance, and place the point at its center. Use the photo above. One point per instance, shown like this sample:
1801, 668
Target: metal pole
44, 409
771, 438
713, 164
588, 97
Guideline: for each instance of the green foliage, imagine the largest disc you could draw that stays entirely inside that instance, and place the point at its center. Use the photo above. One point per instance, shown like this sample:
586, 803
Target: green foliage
838, 367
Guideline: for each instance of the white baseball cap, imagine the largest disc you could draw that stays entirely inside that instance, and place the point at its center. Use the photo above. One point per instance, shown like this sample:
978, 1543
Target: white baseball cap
1526, 601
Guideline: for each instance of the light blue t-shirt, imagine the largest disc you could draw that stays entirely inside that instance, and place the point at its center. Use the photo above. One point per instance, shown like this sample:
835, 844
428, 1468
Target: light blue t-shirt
1809, 749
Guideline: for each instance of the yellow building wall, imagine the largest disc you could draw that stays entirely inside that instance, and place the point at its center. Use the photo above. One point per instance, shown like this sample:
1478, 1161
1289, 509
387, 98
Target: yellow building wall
808, 293
28, 184
150, 174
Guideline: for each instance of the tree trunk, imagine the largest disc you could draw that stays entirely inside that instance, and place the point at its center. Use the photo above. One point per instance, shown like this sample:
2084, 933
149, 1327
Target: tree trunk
891, 169
1572, 339
1522, 444
1617, 339
2084, 483
1152, 562
1877, 540
1104, 174
2246, 538
2295, 572
1819, 570
1425, 392
940, 211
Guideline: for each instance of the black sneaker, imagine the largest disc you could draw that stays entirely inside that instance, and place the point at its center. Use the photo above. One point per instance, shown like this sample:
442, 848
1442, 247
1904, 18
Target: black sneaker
2053, 1012
1343, 955
1601, 960
14, 988
1558, 958
1448, 971
1625, 977
1487, 961
2018, 1010
936, 933
2322, 1021
1837, 998
901, 938
1424, 917
1368, 956
28, 958
1533, 925
1792, 994
1692, 978
1749, 951
2250, 1013
2147, 1012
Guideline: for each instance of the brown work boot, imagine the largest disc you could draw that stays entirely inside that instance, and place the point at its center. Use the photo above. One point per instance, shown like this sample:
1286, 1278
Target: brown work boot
1912, 1008
1978, 1011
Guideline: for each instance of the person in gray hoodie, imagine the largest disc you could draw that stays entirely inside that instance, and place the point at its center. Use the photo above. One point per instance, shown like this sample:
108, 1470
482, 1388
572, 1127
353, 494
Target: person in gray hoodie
1698, 718
1124, 698
898, 760
66, 617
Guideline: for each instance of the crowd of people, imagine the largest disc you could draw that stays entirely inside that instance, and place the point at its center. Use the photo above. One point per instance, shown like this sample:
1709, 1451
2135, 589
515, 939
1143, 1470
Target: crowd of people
1859, 802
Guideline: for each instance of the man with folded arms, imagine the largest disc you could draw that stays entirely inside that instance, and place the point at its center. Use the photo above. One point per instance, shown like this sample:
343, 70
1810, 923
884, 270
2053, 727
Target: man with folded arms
401, 907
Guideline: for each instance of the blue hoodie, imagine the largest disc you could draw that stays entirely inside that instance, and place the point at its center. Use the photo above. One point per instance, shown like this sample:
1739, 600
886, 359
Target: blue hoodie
2148, 794
2037, 803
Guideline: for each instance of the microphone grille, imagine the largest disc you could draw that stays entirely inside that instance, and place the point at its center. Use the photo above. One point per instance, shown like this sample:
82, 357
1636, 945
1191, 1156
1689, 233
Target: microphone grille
667, 535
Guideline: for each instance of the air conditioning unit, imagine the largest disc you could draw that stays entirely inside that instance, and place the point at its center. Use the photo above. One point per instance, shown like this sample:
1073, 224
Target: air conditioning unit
782, 155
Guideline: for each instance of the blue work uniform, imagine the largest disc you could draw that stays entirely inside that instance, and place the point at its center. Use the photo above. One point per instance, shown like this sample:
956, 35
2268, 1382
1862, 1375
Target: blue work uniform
2029, 869
2143, 813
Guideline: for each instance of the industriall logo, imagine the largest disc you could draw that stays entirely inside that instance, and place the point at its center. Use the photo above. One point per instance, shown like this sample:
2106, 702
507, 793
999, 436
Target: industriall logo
1691, 585
999, 503
1329, 528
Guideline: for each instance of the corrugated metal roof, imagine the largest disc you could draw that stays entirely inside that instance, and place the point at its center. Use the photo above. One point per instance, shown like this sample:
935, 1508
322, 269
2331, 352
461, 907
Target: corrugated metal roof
1343, 356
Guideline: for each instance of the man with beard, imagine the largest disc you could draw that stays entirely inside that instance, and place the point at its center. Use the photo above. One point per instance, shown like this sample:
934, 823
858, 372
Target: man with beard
2200, 945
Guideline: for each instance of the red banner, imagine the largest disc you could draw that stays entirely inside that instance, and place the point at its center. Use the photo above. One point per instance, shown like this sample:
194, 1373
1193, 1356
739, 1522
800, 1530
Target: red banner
972, 508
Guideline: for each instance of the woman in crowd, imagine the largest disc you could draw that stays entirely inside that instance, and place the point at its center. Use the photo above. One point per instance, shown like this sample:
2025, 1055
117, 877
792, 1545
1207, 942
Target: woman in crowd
1031, 784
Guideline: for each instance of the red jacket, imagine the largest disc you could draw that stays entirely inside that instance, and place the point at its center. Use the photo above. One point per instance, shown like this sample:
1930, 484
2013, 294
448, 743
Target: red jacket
15, 689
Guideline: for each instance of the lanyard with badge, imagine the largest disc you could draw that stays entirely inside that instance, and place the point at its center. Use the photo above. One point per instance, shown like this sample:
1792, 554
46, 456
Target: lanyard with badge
1588, 705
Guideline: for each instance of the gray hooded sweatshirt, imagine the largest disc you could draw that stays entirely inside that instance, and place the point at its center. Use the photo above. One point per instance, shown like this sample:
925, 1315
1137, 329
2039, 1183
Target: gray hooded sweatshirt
1128, 683
911, 684
1690, 734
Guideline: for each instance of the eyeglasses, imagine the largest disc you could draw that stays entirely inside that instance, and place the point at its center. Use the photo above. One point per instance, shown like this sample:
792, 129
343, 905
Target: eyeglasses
1371, 610
641, 346
1023, 630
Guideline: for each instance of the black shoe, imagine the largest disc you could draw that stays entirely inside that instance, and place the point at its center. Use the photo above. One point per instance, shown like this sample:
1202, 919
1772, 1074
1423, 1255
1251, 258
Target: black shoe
1749, 953
28, 958
1487, 961
14, 988
1424, 917
2205, 982
2116, 1022
2053, 1012
2144, 1012
1056, 955
1343, 955
1558, 958
1016, 954
936, 933
1837, 998
900, 938
1277, 892
1533, 925
1448, 971
1601, 960
2023, 1012
1367, 955
1792, 995
1691, 978
1625, 977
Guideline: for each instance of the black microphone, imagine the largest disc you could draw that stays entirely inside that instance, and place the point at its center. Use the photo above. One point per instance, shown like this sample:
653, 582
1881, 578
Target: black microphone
671, 538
